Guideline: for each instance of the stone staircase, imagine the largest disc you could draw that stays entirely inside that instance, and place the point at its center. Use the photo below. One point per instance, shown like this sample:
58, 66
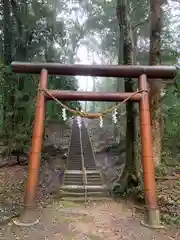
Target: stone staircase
82, 181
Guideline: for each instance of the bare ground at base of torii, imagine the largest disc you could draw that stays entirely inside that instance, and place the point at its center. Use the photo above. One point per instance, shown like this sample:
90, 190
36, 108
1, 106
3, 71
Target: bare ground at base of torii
67, 220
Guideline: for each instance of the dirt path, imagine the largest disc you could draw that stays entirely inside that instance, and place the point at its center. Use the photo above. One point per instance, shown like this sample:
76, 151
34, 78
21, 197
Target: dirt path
65, 220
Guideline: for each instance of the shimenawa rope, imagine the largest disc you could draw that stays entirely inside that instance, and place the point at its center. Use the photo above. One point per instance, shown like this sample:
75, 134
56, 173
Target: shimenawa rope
91, 115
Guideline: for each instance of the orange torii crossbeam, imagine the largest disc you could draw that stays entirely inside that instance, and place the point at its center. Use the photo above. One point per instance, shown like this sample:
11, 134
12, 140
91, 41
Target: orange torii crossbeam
141, 73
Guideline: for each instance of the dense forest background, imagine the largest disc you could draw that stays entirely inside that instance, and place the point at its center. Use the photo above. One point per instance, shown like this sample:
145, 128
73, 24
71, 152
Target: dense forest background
96, 32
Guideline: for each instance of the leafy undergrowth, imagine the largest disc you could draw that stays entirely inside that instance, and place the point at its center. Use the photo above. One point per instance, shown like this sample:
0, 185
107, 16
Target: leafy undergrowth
168, 190
169, 201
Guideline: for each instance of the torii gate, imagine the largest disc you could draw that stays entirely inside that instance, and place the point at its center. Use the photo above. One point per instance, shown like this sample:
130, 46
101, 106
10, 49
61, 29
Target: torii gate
152, 218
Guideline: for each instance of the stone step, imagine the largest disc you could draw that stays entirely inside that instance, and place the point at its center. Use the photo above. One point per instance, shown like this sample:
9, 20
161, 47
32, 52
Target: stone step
81, 183
80, 172
96, 178
93, 176
73, 176
80, 188
73, 180
90, 183
72, 183
89, 199
76, 177
82, 194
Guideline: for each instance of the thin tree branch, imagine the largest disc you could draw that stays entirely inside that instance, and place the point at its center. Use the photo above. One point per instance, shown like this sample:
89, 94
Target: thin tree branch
168, 178
140, 23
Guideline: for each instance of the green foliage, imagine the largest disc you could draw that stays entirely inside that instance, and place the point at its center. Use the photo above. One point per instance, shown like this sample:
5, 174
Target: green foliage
54, 110
171, 117
38, 34
171, 220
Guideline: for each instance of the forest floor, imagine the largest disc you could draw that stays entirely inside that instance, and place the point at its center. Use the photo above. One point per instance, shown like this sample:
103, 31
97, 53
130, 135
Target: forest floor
68, 220
96, 220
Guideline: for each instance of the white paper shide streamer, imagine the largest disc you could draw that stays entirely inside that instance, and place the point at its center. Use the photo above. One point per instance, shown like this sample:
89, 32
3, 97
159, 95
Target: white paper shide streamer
64, 114
114, 116
101, 121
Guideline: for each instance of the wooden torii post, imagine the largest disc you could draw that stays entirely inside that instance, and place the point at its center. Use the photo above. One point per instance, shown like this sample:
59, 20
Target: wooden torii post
141, 73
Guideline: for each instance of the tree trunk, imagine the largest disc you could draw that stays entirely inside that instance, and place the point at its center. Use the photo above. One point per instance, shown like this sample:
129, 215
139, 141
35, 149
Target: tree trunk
127, 53
155, 86
7, 23
137, 159
21, 52
8, 91
119, 88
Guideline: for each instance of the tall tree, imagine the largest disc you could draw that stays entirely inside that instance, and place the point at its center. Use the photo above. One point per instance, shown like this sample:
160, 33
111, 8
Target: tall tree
7, 30
156, 18
127, 53
8, 85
